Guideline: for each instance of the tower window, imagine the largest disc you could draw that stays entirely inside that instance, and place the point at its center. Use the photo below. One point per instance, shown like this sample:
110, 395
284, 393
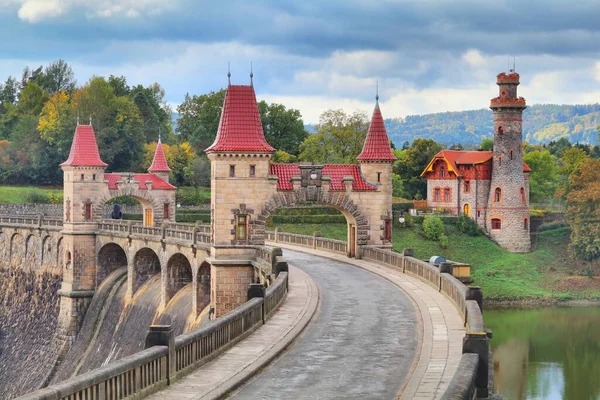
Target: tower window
500, 160
442, 171
82, 177
511, 154
379, 177
500, 130
241, 228
436, 194
526, 224
497, 195
252, 170
88, 211
496, 223
232, 171
94, 177
467, 186
523, 196
447, 195
478, 213
166, 211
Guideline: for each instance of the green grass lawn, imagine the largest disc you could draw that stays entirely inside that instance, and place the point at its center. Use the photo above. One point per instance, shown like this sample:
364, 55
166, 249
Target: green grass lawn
23, 194
549, 272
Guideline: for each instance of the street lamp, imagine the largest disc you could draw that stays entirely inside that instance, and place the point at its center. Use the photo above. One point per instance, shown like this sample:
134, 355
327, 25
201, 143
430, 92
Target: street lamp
402, 220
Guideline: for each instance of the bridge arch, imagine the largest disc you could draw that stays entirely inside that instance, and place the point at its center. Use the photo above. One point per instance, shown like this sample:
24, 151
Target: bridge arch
32, 249
146, 264
110, 257
17, 247
178, 274
153, 208
46, 250
358, 231
202, 295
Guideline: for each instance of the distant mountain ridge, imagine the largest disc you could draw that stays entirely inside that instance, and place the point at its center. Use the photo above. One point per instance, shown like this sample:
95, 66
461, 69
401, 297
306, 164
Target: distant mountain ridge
542, 123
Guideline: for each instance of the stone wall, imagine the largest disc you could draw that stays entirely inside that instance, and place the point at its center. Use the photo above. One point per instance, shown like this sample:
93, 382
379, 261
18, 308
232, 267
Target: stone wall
56, 210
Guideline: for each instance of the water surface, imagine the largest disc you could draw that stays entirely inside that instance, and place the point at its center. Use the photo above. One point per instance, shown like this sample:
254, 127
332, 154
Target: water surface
549, 353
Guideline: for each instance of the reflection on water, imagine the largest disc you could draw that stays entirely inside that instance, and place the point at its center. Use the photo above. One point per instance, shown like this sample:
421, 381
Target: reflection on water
544, 354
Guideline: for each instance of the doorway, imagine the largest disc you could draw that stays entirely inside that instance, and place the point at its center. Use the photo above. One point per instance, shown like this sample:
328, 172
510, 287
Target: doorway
352, 240
467, 210
148, 217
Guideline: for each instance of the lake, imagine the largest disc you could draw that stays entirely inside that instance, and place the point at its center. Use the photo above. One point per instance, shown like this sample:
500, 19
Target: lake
546, 353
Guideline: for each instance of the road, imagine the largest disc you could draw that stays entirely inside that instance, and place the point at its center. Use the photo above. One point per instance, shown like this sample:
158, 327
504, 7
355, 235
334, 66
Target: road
360, 344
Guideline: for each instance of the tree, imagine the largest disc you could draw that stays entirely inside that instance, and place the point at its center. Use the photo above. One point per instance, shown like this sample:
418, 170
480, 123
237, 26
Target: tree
32, 99
157, 118
119, 85
283, 128
199, 119
543, 179
57, 77
281, 156
487, 144
411, 163
180, 158
339, 138
583, 210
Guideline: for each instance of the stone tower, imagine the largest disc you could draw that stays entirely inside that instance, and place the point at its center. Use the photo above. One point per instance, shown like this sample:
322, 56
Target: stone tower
376, 159
159, 166
83, 185
507, 217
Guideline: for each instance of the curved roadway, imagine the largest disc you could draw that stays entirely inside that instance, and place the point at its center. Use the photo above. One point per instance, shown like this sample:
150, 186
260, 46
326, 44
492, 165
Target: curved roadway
360, 344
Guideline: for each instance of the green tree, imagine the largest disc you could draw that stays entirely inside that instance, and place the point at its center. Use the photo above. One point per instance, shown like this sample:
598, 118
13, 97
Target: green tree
411, 163
487, 144
544, 178
283, 128
57, 77
339, 138
199, 119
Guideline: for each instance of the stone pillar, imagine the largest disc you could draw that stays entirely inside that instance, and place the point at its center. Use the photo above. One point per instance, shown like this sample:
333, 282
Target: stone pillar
478, 343
162, 335
229, 285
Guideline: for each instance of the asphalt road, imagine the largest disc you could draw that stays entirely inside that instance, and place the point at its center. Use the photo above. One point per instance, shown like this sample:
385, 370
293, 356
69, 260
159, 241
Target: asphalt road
359, 345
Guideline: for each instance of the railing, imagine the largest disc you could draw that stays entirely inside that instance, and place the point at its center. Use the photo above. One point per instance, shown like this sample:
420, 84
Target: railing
314, 242
143, 372
467, 300
152, 369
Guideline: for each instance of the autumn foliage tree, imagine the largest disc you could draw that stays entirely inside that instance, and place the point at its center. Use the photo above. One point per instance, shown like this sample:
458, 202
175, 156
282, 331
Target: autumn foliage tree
583, 210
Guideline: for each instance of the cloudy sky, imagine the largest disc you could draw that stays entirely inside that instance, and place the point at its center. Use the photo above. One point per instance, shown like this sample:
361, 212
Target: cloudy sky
428, 55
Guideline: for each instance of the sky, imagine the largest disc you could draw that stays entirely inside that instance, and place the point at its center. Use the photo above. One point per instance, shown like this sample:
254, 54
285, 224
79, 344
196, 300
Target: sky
427, 55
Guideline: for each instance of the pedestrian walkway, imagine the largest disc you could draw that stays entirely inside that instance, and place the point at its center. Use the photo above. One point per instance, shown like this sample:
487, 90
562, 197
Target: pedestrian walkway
442, 328
239, 363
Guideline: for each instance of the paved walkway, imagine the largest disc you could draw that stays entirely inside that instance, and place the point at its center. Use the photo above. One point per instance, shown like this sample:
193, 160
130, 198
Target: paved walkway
440, 346
361, 344
237, 364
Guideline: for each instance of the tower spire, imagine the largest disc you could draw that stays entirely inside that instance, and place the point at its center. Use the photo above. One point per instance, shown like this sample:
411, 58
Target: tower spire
251, 75
77, 116
228, 74
90, 119
377, 91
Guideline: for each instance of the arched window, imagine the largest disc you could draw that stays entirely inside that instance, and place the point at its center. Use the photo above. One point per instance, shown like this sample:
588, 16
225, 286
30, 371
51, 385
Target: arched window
436, 194
500, 130
442, 171
467, 210
526, 224
512, 154
523, 196
496, 223
497, 195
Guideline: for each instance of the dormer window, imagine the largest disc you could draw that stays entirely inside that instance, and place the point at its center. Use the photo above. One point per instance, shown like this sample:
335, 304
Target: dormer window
442, 171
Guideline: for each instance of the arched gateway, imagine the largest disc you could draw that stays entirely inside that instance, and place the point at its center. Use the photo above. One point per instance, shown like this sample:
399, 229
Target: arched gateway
246, 188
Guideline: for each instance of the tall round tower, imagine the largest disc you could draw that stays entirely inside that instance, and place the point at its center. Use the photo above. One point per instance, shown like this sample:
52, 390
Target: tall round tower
507, 218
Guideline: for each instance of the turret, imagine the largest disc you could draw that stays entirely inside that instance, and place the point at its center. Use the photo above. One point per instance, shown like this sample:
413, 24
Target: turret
159, 166
508, 205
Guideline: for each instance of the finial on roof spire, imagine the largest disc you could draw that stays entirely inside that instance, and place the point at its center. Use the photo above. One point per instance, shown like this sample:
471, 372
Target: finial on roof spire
251, 75
77, 117
90, 119
228, 74
376, 90
159, 135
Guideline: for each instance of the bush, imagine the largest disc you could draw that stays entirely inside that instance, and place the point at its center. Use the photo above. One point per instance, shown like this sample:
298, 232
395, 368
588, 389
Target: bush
548, 226
308, 211
443, 241
402, 207
38, 198
308, 219
191, 196
123, 200
468, 226
56, 197
191, 218
433, 228
133, 217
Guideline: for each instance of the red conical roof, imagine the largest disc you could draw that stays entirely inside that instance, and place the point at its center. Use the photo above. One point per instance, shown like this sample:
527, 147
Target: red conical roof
84, 149
240, 128
377, 144
159, 162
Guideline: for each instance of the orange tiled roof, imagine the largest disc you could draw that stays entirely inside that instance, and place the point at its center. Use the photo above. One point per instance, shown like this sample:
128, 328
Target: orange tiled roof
377, 144
454, 158
157, 183
336, 172
84, 149
159, 162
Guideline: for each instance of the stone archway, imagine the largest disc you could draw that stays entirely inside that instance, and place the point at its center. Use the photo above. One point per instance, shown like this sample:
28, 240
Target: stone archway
358, 224
152, 208
146, 264
179, 274
17, 248
32, 250
110, 258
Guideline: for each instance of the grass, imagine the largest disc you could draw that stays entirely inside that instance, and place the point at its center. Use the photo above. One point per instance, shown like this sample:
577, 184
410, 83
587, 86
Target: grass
548, 273
23, 194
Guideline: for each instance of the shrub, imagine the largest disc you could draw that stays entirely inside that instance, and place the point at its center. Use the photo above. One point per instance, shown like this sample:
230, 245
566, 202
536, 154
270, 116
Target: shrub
308, 219
190, 196
402, 206
468, 226
123, 200
56, 197
548, 226
38, 198
133, 217
190, 218
443, 241
433, 228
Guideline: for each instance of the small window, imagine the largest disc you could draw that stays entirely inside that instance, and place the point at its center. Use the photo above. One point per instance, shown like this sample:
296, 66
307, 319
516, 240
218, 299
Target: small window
526, 224
166, 211
500, 161
379, 177
447, 195
467, 186
436, 194
232, 171
500, 130
497, 195
82, 177
442, 171
512, 153
88, 211
94, 177
496, 223
523, 196
478, 213
252, 170
242, 227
